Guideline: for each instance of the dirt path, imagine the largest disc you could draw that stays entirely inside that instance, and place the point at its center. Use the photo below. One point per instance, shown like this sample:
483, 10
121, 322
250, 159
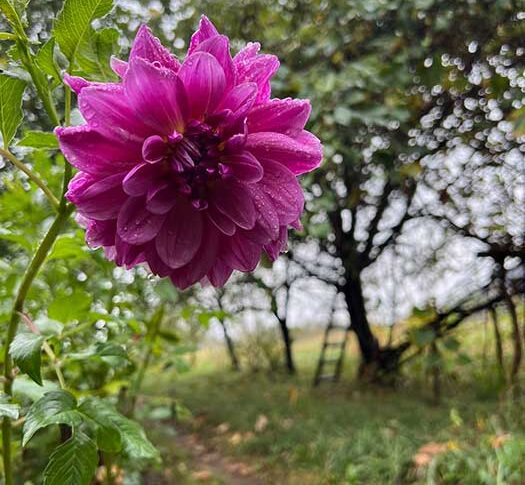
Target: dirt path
208, 465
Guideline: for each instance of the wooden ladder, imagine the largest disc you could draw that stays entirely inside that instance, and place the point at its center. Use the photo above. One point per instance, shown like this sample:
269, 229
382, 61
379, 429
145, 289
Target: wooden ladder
330, 362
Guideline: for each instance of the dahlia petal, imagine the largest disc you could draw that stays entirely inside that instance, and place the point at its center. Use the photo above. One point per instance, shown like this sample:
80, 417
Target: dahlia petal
205, 31
242, 254
76, 83
300, 154
154, 149
160, 199
128, 255
248, 52
118, 66
219, 273
267, 216
135, 224
201, 263
258, 69
275, 248
258, 235
106, 107
222, 222
148, 47
239, 101
219, 47
283, 190
90, 151
180, 236
97, 199
243, 166
156, 265
234, 200
286, 116
139, 179
204, 80
157, 95
101, 233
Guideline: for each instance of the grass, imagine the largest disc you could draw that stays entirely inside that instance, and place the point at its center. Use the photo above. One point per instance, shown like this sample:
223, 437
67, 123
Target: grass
350, 434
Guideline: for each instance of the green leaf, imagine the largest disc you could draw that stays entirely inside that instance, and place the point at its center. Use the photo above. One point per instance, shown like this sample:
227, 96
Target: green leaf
518, 117
94, 54
45, 59
111, 354
25, 388
67, 247
39, 139
11, 92
52, 408
12, 411
134, 441
65, 308
411, 170
12, 12
73, 462
73, 24
423, 336
26, 352
7, 36
48, 327
109, 439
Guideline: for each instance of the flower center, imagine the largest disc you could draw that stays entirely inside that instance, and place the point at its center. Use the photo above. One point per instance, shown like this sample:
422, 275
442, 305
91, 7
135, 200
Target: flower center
189, 162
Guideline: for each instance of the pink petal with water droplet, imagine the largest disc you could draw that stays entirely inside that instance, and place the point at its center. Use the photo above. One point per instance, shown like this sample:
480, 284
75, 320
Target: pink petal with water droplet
180, 236
135, 224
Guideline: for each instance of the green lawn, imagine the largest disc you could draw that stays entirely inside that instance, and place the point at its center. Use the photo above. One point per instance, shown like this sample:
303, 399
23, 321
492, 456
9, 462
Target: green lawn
345, 433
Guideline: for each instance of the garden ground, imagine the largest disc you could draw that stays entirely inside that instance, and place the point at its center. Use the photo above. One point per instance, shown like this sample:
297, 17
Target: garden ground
246, 428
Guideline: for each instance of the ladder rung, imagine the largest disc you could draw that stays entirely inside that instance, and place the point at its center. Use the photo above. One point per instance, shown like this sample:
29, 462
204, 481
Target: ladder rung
331, 361
335, 344
325, 377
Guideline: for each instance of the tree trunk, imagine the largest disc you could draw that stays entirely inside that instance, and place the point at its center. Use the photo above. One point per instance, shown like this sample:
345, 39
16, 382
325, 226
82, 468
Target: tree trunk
230, 347
516, 337
497, 341
368, 344
287, 340
285, 331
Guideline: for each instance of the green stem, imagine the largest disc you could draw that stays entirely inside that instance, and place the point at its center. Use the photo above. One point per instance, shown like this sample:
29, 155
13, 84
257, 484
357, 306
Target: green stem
32, 176
39, 80
18, 307
55, 363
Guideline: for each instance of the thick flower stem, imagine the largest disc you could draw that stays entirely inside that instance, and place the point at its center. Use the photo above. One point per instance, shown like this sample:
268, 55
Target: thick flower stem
30, 274
32, 176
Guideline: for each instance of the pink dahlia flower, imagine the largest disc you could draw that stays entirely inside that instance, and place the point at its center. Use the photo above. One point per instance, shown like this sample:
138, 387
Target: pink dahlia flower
189, 166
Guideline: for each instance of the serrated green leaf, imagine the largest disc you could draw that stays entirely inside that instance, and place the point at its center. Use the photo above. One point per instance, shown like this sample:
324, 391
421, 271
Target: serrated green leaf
73, 462
94, 54
12, 14
134, 441
73, 24
45, 58
39, 139
66, 308
26, 350
11, 92
12, 411
52, 408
